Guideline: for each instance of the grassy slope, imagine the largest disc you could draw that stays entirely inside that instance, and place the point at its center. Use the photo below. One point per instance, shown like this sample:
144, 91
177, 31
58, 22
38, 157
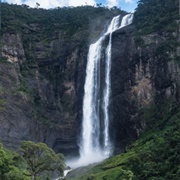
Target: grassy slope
155, 156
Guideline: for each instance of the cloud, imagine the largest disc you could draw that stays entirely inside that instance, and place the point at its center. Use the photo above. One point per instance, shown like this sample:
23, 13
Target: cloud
44, 3
81, 2
53, 3
129, 1
112, 3
14, 1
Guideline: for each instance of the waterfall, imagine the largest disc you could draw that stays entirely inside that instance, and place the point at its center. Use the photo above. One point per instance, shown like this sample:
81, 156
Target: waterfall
91, 105
127, 20
93, 102
95, 143
114, 25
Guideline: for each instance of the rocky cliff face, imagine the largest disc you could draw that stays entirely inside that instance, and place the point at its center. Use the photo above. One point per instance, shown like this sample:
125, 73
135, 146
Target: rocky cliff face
42, 95
143, 75
42, 76
42, 80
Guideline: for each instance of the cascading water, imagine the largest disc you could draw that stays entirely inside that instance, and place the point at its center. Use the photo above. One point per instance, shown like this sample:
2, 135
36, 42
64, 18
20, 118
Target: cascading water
127, 20
91, 129
112, 27
95, 143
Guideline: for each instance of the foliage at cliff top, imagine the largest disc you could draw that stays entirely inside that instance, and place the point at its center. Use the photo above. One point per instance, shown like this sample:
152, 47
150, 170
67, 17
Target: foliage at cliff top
19, 18
157, 15
32, 161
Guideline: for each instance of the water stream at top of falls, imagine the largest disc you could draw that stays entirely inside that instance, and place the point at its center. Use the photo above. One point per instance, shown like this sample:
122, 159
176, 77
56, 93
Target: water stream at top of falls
95, 143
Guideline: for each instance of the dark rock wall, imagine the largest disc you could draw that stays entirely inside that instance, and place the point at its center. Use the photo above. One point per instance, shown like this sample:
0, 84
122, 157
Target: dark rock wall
141, 77
42, 86
42, 81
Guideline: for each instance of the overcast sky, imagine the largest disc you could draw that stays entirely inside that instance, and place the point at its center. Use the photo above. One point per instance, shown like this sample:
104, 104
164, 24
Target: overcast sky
127, 5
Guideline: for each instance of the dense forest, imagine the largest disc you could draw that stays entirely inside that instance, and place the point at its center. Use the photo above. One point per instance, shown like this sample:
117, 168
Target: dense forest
160, 17
16, 17
157, 16
156, 153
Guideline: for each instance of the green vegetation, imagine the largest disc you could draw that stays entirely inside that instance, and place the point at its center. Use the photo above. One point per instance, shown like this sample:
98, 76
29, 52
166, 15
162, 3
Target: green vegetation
3, 60
2, 100
38, 28
157, 16
16, 18
10, 168
161, 18
32, 161
40, 158
155, 156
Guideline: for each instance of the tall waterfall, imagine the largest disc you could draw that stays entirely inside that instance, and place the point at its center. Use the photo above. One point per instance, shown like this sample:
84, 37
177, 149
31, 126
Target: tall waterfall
95, 142
94, 128
114, 25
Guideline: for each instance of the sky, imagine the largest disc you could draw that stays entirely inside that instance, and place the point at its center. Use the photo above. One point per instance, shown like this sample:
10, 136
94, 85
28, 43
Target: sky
127, 5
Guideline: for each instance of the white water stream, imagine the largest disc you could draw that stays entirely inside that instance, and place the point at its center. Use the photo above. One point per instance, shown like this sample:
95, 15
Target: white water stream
95, 143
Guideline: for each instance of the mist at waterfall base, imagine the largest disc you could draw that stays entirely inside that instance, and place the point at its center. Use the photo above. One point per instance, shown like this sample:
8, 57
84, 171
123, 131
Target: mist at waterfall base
95, 144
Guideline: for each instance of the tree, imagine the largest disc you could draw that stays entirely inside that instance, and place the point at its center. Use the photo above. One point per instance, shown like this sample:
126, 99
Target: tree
8, 168
40, 159
17, 174
5, 162
37, 4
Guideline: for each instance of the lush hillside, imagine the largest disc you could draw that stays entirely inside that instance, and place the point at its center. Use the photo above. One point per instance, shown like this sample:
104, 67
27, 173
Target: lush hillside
155, 156
71, 20
161, 17
31, 161
157, 16
42, 73
156, 153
